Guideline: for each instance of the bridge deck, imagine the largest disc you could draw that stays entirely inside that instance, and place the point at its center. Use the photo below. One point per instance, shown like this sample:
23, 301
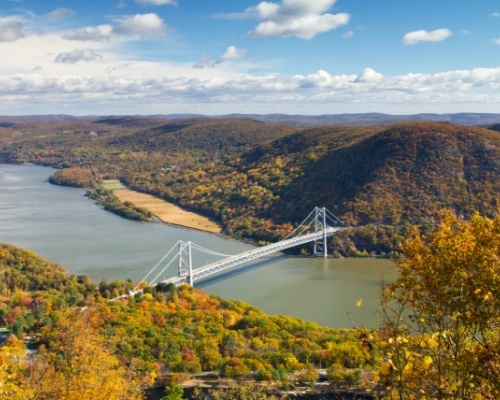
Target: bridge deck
233, 261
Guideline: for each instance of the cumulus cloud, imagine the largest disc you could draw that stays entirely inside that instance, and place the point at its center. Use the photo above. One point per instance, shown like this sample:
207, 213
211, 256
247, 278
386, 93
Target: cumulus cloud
155, 2
138, 26
213, 90
90, 33
232, 53
59, 14
141, 25
424, 36
11, 29
78, 55
369, 76
301, 18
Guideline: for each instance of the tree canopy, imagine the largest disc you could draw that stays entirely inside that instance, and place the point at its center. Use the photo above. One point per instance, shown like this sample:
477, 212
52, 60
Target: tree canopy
443, 313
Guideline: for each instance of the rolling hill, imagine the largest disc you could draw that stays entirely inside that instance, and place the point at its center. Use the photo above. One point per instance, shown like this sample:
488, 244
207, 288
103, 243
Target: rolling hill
258, 179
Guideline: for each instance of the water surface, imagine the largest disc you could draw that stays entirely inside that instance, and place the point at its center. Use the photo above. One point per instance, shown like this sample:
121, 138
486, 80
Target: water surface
62, 225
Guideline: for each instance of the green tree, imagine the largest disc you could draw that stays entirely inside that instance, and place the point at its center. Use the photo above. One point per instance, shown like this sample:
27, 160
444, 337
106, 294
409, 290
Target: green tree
443, 313
173, 392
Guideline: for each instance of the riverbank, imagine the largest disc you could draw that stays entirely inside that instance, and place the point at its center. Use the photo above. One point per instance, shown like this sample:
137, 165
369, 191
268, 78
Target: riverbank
161, 209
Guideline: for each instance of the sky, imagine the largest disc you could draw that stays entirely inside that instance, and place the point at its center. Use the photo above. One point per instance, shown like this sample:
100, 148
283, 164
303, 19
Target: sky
215, 57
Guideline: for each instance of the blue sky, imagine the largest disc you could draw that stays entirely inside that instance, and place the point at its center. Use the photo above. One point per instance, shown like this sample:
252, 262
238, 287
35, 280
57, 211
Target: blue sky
248, 56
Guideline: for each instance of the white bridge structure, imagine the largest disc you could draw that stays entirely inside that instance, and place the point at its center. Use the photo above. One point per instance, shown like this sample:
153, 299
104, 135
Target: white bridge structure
317, 227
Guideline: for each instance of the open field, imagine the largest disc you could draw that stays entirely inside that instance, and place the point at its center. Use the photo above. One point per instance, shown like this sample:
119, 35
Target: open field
166, 212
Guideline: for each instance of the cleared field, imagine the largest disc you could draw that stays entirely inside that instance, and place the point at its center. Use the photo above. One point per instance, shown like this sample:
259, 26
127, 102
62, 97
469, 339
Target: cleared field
113, 184
167, 212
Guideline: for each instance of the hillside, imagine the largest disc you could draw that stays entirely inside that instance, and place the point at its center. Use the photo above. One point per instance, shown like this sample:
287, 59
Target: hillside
115, 147
260, 179
87, 342
385, 177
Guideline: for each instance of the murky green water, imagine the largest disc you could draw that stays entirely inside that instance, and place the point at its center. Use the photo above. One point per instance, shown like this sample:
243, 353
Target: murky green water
62, 225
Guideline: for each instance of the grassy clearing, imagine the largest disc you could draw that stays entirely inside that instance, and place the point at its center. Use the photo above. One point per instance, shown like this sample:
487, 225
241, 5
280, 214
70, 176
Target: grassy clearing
113, 184
166, 212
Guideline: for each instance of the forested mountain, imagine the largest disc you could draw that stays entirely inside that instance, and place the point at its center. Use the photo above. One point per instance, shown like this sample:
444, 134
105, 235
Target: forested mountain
259, 179
118, 146
382, 178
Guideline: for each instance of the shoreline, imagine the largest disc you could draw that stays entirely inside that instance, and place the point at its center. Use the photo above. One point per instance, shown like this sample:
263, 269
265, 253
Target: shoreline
162, 210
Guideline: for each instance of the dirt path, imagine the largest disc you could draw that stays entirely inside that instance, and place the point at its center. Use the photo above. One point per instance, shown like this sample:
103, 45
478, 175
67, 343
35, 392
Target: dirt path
166, 212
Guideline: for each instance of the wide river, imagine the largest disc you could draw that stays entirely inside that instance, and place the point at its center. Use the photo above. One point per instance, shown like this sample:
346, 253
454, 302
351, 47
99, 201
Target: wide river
62, 225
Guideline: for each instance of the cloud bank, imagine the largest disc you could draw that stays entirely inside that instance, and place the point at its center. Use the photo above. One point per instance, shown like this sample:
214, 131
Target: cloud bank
257, 93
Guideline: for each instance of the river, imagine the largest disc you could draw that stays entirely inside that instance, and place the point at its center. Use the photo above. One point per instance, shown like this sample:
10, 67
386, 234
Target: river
62, 225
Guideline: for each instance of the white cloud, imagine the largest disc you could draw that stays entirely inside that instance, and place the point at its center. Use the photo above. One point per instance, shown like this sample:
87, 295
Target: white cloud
348, 35
59, 14
155, 2
232, 53
424, 36
204, 62
78, 55
90, 33
301, 18
369, 76
11, 29
141, 25
495, 14
213, 91
496, 41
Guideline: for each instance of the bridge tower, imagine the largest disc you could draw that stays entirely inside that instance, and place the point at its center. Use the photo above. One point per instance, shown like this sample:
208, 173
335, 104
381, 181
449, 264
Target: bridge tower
320, 245
185, 266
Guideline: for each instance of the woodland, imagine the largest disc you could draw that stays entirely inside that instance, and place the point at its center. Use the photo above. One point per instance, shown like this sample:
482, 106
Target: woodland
259, 180
439, 336
424, 193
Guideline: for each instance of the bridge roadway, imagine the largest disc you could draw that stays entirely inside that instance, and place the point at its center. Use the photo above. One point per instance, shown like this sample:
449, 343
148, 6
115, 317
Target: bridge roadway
250, 255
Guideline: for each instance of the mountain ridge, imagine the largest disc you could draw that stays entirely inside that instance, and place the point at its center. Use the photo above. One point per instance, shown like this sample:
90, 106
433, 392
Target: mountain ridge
305, 121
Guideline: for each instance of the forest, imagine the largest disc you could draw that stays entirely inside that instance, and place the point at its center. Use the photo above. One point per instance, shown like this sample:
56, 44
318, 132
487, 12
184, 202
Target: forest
425, 193
259, 180
439, 336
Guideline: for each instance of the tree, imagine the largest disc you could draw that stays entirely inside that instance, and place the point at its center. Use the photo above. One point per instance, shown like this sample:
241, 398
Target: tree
78, 364
173, 392
242, 391
443, 313
13, 371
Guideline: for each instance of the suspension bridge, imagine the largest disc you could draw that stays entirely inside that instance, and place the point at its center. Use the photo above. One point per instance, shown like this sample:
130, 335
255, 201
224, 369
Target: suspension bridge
316, 227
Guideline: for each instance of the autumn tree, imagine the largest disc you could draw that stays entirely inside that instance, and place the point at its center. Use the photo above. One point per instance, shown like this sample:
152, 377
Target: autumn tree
78, 365
14, 371
442, 315
243, 391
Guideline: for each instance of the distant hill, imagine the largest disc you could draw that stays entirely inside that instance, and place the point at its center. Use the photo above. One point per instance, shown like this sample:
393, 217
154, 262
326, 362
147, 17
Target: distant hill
372, 118
304, 121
